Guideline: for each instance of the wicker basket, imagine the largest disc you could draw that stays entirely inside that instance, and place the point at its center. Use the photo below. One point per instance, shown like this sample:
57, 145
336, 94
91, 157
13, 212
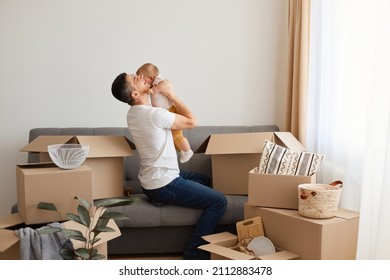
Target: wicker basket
319, 200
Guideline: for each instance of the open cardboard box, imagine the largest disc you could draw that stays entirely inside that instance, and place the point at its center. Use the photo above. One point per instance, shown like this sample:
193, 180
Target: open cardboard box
105, 158
273, 190
48, 183
9, 245
312, 239
220, 244
234, 155
10, 242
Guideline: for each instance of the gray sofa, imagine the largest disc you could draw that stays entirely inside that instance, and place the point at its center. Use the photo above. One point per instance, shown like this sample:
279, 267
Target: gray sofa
160, 229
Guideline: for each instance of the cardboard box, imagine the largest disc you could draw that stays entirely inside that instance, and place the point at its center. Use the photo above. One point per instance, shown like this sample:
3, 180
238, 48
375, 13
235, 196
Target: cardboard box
312, 239
277, 191
9, 245
105, 158
234, 155
48, 183
220, 245
10, 242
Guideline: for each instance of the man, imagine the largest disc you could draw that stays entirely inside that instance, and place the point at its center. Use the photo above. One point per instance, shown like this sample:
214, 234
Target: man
159, 172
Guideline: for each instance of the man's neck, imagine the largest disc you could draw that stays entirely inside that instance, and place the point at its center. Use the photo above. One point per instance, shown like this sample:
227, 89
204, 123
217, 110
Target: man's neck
143, 101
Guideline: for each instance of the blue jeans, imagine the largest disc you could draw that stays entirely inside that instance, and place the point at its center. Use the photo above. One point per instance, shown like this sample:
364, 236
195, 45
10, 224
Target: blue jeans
192, 190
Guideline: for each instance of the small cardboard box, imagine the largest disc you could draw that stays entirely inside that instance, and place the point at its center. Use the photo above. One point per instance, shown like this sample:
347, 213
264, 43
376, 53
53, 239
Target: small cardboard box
220, 244
48, 183
105, 158
312, 239
234, 155
276, 191
9, 244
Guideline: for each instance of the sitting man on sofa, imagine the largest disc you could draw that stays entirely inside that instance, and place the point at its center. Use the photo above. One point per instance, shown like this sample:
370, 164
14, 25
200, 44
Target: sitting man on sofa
159, 172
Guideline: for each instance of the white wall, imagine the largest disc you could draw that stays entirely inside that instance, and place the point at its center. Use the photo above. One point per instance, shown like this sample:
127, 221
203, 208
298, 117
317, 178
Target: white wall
58, 59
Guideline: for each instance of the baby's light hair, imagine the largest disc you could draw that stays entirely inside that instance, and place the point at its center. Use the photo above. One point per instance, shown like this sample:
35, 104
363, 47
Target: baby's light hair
148, 68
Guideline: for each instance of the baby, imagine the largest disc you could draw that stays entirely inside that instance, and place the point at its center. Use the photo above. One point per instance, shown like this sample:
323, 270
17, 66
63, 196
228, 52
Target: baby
152, 76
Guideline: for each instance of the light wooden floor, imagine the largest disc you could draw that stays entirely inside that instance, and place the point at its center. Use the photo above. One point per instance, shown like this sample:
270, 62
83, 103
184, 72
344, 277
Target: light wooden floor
146, 257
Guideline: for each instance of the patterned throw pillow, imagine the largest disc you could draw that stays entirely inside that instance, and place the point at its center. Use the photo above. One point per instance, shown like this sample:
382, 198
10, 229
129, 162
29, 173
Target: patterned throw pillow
276, 159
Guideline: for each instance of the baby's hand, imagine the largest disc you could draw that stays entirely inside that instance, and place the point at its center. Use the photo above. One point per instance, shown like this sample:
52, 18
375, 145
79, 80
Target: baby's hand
158, 79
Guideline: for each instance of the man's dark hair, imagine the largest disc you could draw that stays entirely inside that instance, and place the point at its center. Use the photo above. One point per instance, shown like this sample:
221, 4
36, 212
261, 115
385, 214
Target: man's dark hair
121, 90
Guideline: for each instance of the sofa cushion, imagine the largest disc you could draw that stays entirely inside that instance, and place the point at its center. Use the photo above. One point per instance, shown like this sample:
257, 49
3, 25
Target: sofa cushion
145, 214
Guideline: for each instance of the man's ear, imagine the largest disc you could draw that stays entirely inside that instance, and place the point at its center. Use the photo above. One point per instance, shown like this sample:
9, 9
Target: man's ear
134, 95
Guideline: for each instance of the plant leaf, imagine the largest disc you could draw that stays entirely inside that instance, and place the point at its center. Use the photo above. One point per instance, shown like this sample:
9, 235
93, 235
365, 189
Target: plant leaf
93, 252
67, 254
74, 218
102, 229
84, 215
98, 257
74, 234
111, 202
83, 253
102, 222
114, 215
47, 206
94, 240
49, 230
83, 202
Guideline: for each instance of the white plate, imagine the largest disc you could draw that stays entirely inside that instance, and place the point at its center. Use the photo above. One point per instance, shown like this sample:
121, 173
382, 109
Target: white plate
261, 246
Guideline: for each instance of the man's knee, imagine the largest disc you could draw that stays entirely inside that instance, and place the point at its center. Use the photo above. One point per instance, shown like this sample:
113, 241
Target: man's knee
222, 202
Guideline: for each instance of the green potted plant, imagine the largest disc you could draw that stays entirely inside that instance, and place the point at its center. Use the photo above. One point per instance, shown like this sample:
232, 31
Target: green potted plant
93, 218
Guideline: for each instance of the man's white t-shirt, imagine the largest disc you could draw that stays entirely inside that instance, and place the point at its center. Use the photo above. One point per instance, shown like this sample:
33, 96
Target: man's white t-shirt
150, 128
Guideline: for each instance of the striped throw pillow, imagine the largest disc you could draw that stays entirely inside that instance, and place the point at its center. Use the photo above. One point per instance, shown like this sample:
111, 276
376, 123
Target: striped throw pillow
276, 159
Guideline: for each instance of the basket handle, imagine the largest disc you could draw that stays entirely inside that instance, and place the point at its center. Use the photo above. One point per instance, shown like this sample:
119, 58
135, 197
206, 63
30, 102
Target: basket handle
337, 184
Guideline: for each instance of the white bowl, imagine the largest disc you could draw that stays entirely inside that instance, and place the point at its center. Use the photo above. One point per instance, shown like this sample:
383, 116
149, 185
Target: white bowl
68, 156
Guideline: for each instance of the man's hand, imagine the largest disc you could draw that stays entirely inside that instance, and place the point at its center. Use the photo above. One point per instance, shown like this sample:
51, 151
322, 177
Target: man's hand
184, 119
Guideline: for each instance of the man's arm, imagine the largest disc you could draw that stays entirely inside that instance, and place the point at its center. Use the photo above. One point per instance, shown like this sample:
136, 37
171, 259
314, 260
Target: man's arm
184, 119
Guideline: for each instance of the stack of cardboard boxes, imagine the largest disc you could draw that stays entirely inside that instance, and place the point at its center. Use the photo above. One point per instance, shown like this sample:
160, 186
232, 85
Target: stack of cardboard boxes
101, 176
274, 198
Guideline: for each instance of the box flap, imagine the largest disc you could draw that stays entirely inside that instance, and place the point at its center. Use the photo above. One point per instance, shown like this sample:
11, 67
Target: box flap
37, 165
99, 145
288, 140
40, 143
105, 236
106, 146
340, 216
346, 214
237, 143
10, 220
203, 147
220, 237
226, 252
8, 239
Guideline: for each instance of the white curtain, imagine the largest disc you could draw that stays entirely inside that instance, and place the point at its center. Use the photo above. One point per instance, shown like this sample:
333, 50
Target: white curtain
349, 110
